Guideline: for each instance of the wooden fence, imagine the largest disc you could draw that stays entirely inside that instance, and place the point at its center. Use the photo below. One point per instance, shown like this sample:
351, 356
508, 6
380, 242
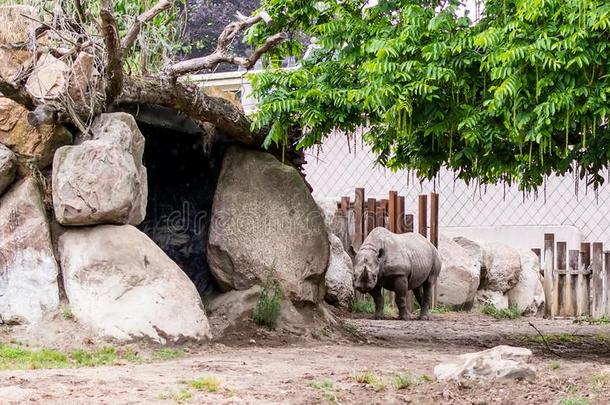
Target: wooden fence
391, 213
576, 281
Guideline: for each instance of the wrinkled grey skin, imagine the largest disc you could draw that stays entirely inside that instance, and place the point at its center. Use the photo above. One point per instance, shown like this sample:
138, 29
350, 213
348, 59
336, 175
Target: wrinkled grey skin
397, 263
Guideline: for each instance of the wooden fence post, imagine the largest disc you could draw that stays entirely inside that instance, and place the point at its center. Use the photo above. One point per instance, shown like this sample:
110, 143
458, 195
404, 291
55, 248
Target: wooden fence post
597, 280
573, 274
400, 217
549, 254
371, 212
344, 223
559, 281
358, 218
393, 211
583, 279
607, 283
382, 208
422, 215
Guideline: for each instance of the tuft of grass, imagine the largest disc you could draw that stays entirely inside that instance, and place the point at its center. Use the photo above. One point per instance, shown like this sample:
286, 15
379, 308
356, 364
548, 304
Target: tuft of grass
426, 378
208, 383
367, 306
66, 312
440, 309
512, 312
590, 320
554, 365
100, 357
167, 354
179, 396
326, 386
601, 379
323, 385
370, 379
403, 381
269, 303
575, 400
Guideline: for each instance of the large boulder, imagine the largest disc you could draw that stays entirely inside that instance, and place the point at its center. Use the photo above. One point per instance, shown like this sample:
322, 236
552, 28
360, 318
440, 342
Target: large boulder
459, 277
499, 362
8, 167
48, 79
339, 275
265, 223
474, 249
35, 146
336, 222
102, 181
124, 287
28, 270
528, 293
500, 267
17, 25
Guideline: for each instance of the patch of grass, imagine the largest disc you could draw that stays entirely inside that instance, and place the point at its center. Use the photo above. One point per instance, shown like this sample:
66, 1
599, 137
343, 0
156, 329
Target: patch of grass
12, 357
600, 380
602, 338
178, 396
369, 378
575, 400
100, 357
66, 312
367, 306
207, 383
554, 365
512, 312
18, 358
269, 303
559, 338
167, 354
403, 381
440, 309
326, 386
426, 378
590, 320
322, 384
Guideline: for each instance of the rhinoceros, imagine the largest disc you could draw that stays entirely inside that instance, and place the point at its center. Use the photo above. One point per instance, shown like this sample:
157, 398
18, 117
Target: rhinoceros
399, 263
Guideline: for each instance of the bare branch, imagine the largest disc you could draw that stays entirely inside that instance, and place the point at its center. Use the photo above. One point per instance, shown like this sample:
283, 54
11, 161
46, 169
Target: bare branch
114, 64
142, 19
222, 53
80, 13
16, 93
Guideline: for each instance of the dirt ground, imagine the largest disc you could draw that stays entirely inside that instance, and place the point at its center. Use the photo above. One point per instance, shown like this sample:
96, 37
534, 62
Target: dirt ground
280, 368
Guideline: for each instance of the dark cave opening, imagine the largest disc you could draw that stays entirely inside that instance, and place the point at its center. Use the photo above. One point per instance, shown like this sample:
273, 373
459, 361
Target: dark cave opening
182, 177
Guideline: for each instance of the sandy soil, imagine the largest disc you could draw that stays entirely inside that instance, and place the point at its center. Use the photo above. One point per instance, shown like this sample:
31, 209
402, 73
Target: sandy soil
281, 369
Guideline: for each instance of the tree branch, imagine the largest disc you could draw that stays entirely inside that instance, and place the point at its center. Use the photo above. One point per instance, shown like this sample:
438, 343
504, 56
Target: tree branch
191, 101
114, 63
16, 93
142, 19
222, 53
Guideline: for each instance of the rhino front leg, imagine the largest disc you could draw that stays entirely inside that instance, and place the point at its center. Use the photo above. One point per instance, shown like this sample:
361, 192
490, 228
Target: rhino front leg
401, 289
377, 295
425, 302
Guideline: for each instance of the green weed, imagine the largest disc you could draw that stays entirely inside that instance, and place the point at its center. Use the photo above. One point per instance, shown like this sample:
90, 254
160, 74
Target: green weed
167, 354
208, 383
369, 378
322, 384
269, 303
589, 320
179, 396
403, 381
575, 400
600, 380
554, 365
367, 306
513, 312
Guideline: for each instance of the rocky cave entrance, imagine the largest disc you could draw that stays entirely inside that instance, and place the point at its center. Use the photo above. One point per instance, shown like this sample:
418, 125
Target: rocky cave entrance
183, 171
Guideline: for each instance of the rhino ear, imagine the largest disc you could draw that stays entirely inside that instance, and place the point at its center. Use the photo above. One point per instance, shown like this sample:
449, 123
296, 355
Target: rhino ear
380, 253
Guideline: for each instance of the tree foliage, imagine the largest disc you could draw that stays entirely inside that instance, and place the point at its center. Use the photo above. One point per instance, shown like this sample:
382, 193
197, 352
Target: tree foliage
515, 96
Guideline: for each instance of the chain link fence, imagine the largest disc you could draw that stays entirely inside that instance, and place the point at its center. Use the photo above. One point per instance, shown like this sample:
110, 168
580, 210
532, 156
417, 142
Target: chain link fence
344, 163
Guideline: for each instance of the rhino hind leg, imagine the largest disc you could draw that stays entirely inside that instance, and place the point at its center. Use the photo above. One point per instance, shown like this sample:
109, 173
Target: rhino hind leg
419, 295
377, 295
425, 303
